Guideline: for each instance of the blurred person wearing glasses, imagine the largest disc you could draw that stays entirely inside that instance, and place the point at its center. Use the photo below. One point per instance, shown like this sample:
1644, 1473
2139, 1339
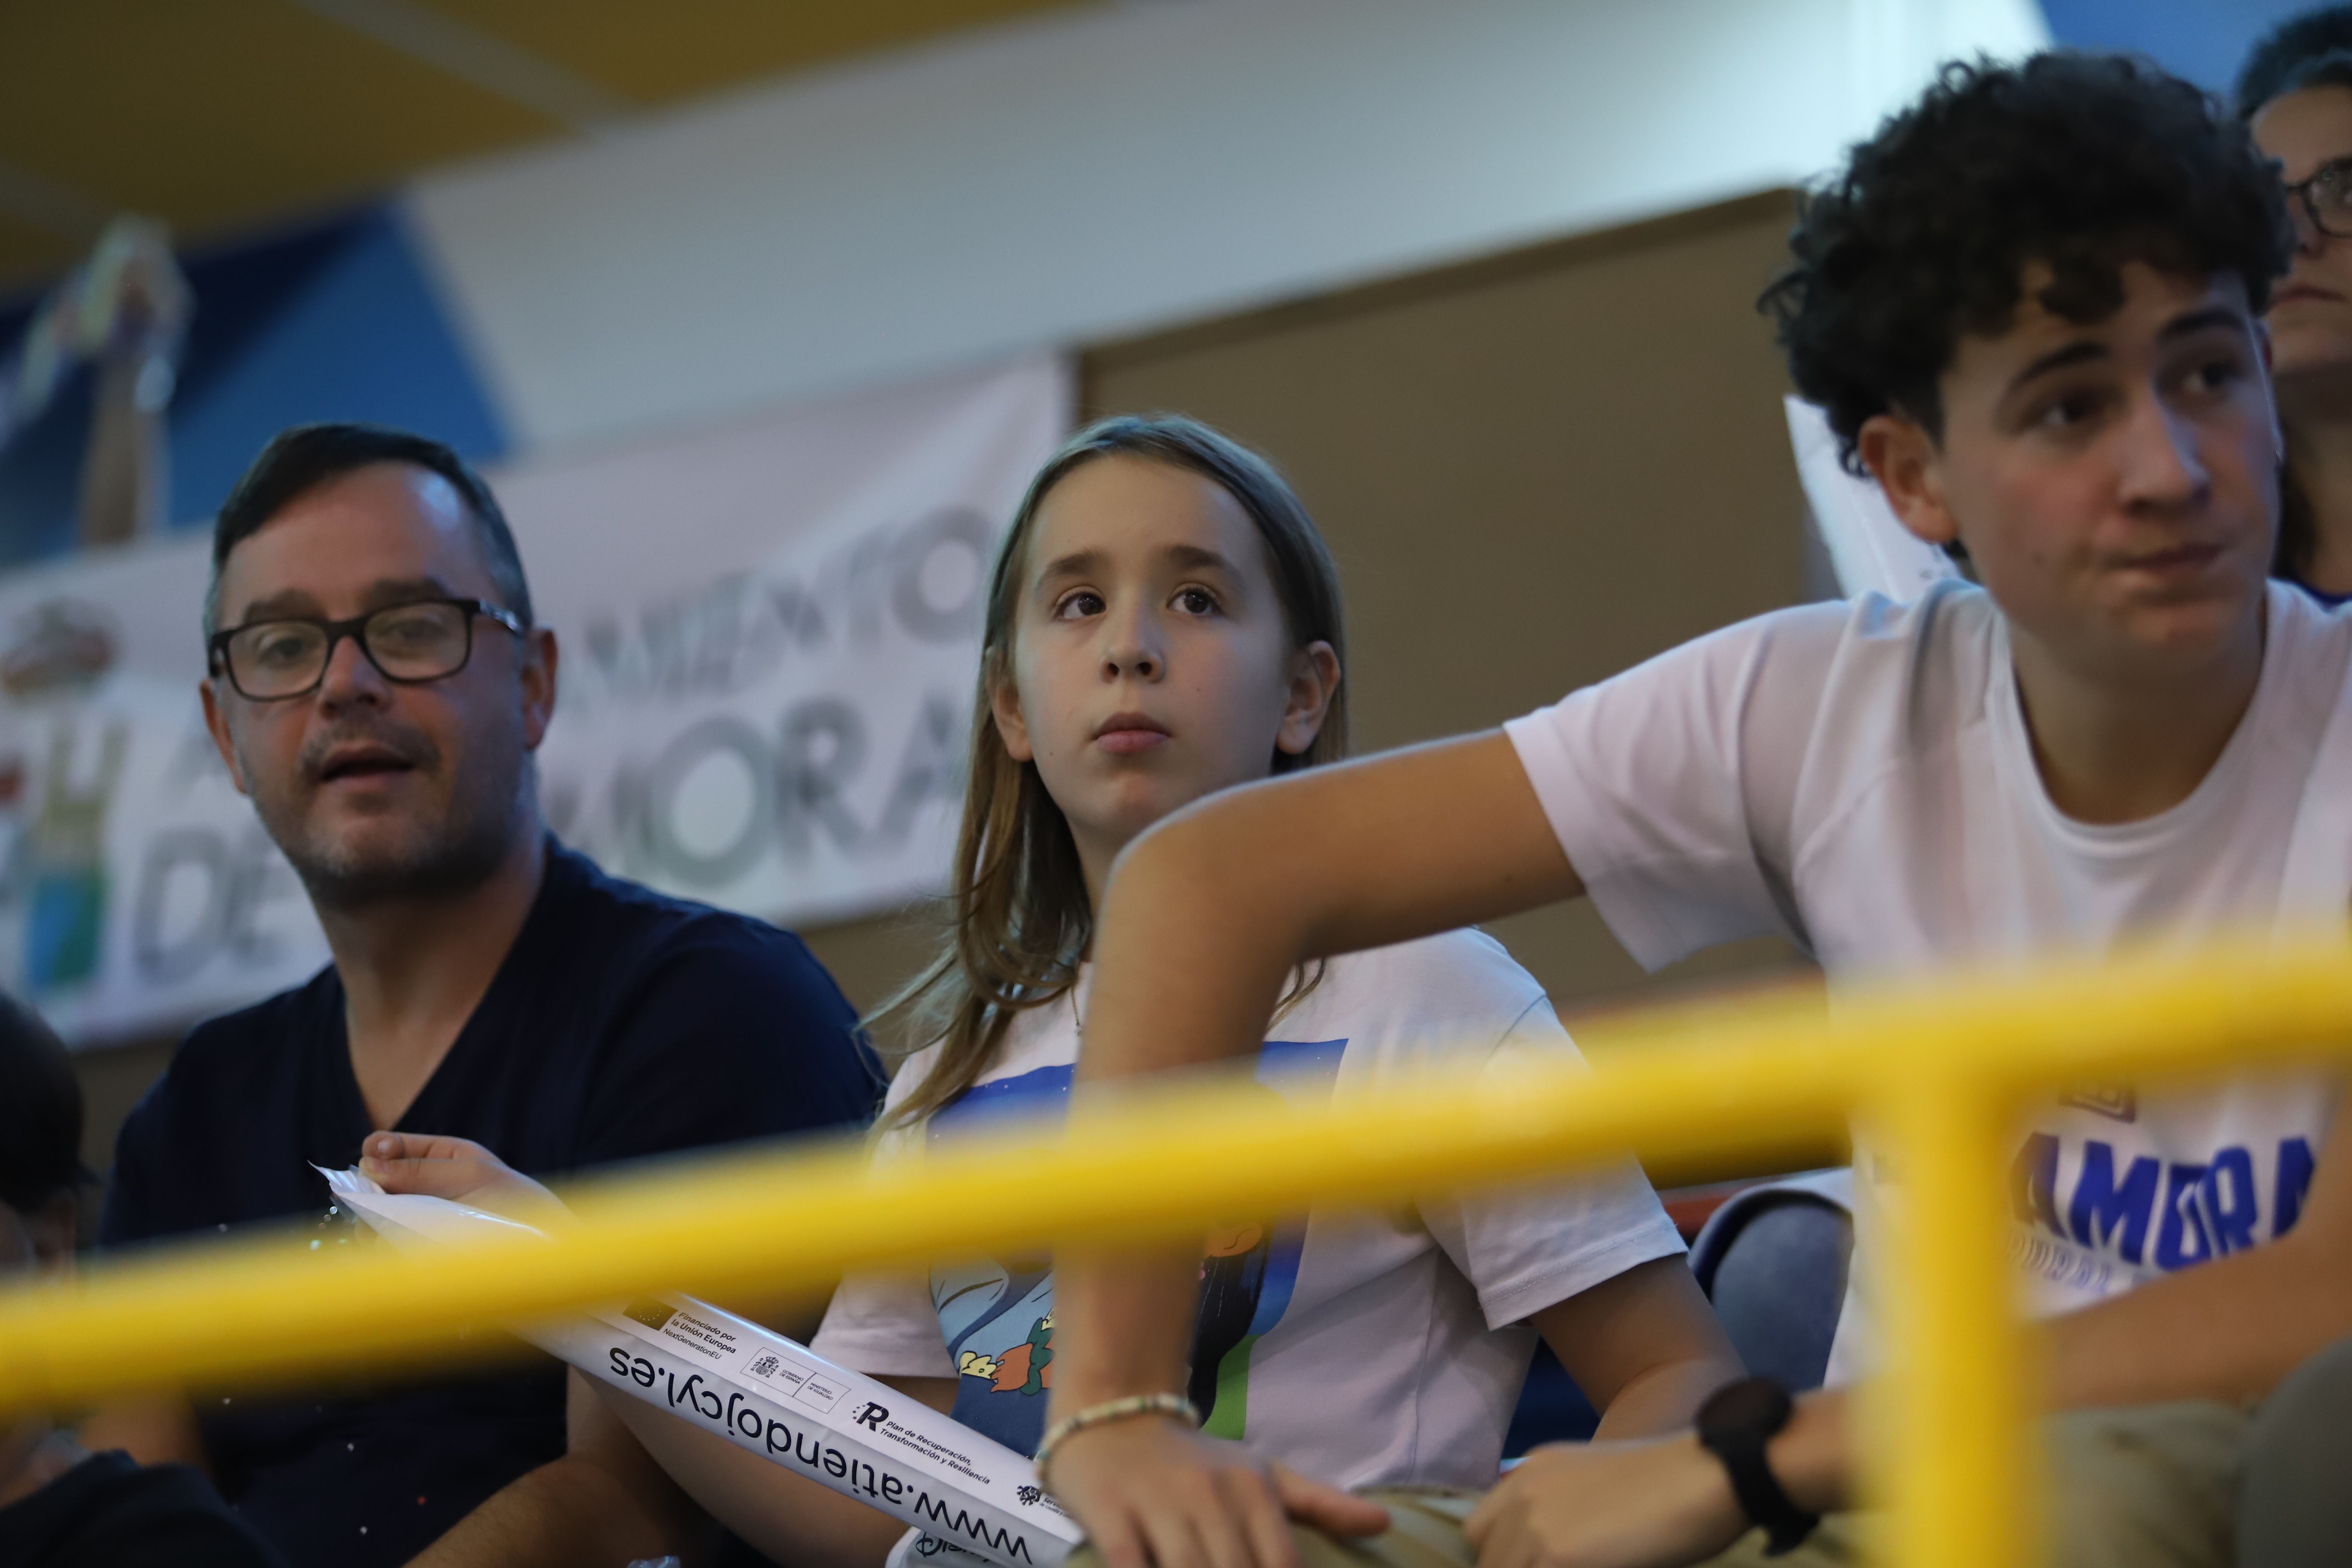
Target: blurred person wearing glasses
2295, 93
378, 687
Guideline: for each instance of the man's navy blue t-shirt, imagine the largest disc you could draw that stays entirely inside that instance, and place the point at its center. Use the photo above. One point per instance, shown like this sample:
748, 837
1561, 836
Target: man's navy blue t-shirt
623, 1024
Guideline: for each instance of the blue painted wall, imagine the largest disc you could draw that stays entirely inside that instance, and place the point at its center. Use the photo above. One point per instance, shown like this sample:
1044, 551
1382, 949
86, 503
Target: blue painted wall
334, 322
339, 323
2204, 40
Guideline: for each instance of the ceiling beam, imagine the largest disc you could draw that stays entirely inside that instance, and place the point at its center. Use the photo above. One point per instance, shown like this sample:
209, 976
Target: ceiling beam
488, 62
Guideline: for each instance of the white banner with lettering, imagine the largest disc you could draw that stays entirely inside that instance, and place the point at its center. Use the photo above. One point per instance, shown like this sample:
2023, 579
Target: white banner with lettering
769, 633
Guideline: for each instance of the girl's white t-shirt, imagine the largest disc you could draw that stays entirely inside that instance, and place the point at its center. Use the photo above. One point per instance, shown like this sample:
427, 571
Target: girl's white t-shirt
1859, 779
1363, 1349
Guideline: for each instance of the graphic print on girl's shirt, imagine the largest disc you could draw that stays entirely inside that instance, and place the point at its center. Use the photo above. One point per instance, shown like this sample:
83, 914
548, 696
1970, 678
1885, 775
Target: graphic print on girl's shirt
997, 1314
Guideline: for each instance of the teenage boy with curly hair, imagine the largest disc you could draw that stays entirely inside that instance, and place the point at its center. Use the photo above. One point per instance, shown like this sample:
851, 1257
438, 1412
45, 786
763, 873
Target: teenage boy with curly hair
2031, 305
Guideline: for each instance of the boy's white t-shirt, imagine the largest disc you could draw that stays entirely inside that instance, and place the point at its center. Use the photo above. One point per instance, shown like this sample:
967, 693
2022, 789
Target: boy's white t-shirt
1364, 1349
1859, 779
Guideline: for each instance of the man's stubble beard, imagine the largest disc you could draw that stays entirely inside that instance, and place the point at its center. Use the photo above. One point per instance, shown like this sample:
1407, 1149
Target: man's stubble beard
431, 861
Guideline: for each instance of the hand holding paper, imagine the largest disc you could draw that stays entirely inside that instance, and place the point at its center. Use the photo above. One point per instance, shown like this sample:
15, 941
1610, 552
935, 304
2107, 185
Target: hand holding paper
459, 1170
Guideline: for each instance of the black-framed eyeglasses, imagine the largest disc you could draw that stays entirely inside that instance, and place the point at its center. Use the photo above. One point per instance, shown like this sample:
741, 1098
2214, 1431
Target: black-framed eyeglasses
411, 643
2326, 198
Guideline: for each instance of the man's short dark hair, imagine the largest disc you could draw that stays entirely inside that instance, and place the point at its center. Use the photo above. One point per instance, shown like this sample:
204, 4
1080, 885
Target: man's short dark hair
2314, 49
300, 459
40, 1113
2079, 162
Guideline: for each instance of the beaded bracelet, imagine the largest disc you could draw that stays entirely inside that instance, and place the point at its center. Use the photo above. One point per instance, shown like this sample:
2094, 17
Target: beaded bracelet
1110, 1410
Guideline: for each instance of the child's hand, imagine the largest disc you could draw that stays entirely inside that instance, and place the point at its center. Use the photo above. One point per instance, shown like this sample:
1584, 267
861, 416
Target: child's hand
1152, 1494
1652, 1503
458, 1169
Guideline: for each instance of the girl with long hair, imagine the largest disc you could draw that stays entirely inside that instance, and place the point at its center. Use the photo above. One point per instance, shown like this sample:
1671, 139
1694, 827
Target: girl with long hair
1164, 622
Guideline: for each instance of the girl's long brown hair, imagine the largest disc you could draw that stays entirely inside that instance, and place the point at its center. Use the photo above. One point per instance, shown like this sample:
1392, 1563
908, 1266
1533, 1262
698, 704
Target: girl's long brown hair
1020, 918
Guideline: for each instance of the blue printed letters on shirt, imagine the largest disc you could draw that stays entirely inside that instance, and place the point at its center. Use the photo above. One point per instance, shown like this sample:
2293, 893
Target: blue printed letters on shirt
2100, 1209
2295, 1163
2182, 1222
2196, 1211
2230, 1201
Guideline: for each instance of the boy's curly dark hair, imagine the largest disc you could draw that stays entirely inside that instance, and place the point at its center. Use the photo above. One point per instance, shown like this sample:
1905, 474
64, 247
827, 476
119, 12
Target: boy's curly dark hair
2079, 162
2314, 49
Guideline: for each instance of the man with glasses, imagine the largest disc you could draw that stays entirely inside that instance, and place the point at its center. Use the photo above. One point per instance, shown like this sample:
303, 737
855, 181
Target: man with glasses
377, 685
2295, 93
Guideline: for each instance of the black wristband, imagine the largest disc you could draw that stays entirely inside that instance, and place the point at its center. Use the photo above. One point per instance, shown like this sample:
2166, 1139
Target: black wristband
1734, 1424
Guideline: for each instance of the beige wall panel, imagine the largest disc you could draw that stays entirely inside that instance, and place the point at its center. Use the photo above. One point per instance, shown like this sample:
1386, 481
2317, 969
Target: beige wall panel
871, 959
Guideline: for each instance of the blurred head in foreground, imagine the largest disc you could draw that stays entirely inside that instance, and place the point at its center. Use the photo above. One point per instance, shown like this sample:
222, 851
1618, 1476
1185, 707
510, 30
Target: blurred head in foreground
376, 680
40, 1170
40, 1142
2030, 305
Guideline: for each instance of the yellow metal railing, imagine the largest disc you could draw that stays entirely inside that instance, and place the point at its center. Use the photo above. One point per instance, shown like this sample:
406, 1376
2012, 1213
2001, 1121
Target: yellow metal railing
1936, 1074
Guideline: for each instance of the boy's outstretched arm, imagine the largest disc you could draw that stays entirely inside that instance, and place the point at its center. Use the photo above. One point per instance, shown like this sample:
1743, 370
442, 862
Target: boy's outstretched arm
1208, 913
1205, 917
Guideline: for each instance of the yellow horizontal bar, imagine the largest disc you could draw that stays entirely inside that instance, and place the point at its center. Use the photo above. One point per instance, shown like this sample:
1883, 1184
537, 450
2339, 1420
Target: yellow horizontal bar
1746, 1078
